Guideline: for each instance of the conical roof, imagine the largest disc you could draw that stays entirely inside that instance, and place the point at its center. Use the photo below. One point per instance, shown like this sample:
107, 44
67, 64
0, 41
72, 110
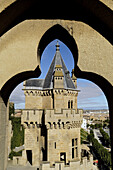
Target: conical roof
58, 61
47, 83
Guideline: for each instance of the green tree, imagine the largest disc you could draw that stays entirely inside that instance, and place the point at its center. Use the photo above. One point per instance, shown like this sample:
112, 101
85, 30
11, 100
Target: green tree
106, 138
90, 136
18, 136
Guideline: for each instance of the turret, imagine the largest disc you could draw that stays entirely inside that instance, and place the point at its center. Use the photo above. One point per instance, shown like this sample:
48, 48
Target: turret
58, 77
74, 79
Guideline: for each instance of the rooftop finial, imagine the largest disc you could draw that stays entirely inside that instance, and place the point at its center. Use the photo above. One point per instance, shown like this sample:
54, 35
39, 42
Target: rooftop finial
57, 46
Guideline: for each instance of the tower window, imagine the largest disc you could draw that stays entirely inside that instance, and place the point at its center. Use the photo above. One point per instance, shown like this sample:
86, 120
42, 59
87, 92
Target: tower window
76, 151
27, 115
69, 104
55, 145
72, 142
74, 148
72, 153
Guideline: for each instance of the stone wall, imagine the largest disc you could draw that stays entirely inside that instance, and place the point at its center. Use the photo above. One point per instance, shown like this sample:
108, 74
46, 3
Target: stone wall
3, 135
57, 99
60, 141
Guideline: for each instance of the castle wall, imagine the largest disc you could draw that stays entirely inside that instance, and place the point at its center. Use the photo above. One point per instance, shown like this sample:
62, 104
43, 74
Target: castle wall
62, 97
34, 141
78, 165
33, 102
65, 115
62, 128
3, 135
31, 116
58, 82
47, 102
38, 99
60, 141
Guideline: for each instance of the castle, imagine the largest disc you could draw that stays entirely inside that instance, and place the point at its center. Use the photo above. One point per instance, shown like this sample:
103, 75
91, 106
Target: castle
52, 121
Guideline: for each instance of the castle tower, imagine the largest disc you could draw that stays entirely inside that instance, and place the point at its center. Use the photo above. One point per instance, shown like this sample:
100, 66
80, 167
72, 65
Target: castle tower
51, 116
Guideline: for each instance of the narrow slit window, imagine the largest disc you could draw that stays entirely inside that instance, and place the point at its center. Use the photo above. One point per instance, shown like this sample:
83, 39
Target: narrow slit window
69, 104
27, 115
72, 153
76, 151
72, 142
55, 145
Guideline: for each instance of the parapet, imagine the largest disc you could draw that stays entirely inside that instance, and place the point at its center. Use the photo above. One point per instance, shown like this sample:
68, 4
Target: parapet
76, 164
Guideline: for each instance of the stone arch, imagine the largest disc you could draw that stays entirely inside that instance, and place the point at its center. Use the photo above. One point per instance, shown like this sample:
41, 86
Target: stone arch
15, 80
58, 32
90, 12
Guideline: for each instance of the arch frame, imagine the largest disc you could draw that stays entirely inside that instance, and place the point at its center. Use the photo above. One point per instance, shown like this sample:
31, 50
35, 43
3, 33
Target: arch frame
93, 13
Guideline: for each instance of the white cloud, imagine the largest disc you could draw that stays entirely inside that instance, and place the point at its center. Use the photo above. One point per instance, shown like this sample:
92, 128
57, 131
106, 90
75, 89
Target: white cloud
17, 96
90, 95
88, 90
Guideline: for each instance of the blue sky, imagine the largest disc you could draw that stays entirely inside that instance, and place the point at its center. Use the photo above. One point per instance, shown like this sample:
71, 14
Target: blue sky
90, 95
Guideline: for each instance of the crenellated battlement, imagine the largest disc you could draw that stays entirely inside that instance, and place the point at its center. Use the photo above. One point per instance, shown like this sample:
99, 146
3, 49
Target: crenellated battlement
32, 117
66, 92
63, 125
68, 118
36, 92
31, 125
74, 164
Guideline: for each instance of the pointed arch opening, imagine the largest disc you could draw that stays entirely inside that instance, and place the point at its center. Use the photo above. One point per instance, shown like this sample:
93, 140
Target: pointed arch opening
58, 32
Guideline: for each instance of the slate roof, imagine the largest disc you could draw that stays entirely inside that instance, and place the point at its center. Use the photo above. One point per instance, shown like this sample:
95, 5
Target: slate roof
47, 83
35, 82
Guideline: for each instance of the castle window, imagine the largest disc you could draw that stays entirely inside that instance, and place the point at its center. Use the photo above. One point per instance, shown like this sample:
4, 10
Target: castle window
27, 115
74, 148
76, 151
66, 114
72, 153
55, 145
76, 141
69, 104
72, 142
